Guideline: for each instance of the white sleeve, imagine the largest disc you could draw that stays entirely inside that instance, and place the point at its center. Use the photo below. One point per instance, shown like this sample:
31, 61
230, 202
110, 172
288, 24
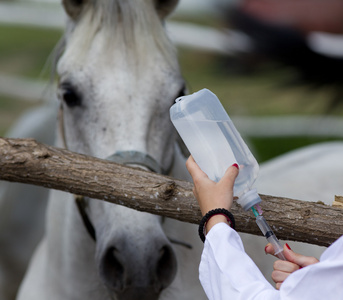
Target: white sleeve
227, 272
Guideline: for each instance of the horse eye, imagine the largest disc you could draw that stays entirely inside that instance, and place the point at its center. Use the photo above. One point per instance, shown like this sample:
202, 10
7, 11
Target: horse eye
77, 2
70, 96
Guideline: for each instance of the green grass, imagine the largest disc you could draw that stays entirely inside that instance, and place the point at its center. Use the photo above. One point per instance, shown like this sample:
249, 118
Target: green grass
24, 51
267, 148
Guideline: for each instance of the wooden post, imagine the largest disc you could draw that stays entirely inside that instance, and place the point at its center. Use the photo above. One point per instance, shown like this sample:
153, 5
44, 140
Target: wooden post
26, 161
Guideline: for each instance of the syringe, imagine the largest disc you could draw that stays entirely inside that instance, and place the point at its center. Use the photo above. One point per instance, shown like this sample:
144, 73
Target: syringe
269, 234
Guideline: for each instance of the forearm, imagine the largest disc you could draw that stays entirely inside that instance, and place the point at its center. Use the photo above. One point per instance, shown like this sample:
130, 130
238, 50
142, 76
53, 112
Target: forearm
227, 272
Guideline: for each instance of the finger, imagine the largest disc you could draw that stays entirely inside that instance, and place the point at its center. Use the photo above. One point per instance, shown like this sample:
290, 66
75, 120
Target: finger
190, 164
228, 180
299, 259
193, 168
279, 276
268, 249
285, 266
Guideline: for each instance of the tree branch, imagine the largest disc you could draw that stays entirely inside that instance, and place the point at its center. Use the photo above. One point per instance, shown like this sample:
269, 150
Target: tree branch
26, 161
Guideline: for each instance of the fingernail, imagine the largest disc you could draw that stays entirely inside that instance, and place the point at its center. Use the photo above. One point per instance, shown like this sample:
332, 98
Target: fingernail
236, 166
288, 247
265, 250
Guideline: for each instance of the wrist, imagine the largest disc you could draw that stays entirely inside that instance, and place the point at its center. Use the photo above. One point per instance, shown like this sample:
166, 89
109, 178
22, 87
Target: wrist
204, 227
215, 220
206, 208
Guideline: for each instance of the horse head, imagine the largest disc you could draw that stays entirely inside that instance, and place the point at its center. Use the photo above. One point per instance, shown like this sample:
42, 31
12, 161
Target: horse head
118, 76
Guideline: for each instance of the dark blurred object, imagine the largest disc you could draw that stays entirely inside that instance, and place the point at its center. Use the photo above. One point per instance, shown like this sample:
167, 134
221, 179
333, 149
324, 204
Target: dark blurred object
288, 46
305, 16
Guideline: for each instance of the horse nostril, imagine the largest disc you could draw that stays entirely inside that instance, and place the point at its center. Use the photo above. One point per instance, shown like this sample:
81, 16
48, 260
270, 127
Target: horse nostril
150, 270
166, 266
112, 268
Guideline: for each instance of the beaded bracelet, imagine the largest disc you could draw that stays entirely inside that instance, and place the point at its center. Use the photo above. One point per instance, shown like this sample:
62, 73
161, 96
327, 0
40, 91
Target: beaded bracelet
211, 213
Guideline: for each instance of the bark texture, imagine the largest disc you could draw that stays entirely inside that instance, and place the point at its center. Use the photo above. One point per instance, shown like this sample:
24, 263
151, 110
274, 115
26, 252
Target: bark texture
26, 161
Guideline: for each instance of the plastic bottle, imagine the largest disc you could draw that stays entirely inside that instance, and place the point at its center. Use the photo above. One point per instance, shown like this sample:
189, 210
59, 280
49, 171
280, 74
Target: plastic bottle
215, 143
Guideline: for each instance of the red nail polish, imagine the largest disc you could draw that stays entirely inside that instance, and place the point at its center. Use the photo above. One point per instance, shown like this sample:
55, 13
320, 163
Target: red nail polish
288, 247
236, 166
265, 250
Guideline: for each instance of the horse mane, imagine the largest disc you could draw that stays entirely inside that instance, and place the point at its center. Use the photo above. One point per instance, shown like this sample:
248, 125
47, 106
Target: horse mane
135, 22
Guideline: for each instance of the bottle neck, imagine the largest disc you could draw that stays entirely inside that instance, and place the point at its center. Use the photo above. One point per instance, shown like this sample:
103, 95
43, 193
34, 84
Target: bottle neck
249, 199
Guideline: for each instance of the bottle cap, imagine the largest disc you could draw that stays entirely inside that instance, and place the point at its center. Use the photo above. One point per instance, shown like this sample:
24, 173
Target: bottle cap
249, 199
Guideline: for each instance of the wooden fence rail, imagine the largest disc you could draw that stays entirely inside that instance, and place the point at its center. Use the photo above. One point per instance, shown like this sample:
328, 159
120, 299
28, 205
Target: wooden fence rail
26, 161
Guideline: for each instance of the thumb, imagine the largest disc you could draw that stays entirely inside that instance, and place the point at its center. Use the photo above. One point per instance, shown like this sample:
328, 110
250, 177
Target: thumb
296, 258
229, 177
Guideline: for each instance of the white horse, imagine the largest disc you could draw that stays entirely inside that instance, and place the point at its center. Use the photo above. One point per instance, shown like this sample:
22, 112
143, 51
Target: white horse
118, 76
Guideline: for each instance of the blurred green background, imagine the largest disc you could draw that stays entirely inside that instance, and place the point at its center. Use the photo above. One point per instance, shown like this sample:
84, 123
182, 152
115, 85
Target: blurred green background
24, 51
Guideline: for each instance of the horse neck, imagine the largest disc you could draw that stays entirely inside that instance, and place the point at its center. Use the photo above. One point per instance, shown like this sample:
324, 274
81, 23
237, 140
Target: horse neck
70, 250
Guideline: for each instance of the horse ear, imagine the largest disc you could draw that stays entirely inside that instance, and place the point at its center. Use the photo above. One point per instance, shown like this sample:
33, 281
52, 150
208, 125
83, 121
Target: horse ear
165, 7
73, 7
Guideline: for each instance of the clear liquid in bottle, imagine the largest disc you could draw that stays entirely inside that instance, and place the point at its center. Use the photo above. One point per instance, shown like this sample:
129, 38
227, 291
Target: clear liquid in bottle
213, 140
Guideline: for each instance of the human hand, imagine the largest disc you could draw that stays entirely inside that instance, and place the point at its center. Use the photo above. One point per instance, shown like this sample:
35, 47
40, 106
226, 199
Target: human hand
295, 261
211, 195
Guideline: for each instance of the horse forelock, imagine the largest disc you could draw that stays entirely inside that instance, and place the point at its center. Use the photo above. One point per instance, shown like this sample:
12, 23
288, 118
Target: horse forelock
134, 22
